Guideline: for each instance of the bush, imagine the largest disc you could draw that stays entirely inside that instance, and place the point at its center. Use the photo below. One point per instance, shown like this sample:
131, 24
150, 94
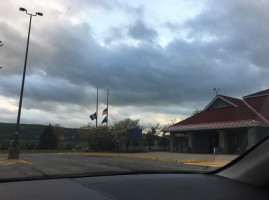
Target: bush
69, 146
30, 146
4, 145
98, 139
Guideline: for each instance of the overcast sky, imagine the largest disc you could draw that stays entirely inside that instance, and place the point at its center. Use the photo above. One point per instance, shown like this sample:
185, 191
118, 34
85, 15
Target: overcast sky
160, 59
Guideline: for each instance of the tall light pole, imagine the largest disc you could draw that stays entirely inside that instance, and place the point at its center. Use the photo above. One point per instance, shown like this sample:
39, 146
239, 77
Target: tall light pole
14, 151
1, 44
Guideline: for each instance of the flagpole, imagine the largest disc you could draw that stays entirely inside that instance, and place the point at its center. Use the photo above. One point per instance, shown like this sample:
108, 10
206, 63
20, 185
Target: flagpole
107, 107
97, 108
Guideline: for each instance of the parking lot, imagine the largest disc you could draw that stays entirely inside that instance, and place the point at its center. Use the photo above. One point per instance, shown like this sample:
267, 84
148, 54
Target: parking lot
50, 165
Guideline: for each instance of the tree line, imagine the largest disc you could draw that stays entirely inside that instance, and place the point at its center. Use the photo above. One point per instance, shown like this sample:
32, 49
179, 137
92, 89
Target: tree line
102, 138
118, 134
97, 139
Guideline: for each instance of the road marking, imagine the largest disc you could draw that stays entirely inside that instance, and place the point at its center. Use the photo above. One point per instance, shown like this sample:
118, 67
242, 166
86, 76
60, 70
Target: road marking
219, 163
6, 161
206, 162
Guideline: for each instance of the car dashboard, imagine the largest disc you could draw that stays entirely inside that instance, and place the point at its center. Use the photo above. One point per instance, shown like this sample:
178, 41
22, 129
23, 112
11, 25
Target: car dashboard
138, 186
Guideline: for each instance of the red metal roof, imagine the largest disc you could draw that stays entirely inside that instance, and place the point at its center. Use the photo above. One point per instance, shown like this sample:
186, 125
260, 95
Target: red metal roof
213, 125
261, 93
242, 113
260, 104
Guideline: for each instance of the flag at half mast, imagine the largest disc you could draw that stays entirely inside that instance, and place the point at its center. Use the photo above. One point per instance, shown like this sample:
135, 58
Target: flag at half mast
105, 111
104, 120
93, 116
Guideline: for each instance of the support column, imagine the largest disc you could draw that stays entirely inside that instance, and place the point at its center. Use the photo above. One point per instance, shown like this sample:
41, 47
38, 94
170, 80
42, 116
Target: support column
172, 142
223, 141
189, 142
252, 137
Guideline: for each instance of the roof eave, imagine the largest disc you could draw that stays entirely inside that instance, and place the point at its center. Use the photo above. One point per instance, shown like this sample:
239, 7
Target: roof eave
254, 96
222, 98
220, 127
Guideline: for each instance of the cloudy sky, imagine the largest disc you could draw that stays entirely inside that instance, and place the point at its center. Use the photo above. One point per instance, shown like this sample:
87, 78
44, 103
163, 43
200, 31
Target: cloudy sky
160, 59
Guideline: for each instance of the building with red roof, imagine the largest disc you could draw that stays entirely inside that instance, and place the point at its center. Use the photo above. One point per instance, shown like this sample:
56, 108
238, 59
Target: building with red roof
228, 124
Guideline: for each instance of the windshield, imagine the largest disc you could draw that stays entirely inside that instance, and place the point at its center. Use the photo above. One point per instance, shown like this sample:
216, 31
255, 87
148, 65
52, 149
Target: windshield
130, 86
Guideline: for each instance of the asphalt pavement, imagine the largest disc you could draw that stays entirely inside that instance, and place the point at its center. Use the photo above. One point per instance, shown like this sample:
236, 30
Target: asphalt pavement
53, 165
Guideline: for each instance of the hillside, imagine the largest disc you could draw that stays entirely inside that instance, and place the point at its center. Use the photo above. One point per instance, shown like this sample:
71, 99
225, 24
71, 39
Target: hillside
31, 132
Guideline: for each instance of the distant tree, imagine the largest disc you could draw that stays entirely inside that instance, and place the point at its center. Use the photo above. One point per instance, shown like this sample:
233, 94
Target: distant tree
99, 138
48, 139
58, 130
30, 145
164, 140
69, 146
169, 123
196, 111
152, 135
4, 145
122, 128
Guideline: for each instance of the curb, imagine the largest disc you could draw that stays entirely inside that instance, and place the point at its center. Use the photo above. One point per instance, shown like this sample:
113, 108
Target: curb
135, 157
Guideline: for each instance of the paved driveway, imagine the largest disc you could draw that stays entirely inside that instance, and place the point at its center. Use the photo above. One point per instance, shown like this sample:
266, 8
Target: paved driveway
171, 155
45, 165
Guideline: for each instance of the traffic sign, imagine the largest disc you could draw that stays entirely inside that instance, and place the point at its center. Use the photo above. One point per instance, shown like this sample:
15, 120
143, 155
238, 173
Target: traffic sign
61, 138
135, 133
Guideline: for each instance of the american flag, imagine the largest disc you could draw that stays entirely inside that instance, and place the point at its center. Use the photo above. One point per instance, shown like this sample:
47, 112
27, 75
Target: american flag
105, 111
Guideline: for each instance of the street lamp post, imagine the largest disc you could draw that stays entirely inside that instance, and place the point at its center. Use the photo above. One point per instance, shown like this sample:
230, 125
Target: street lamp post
1, 44
14, 151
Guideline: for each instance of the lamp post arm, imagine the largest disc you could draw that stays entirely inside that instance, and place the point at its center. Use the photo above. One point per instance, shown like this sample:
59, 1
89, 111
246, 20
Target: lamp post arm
30, 13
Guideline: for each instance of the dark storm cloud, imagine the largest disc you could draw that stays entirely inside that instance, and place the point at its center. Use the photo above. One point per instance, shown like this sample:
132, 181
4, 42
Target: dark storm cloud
240, 26
115, 34
39, 85
78, 5
140, 31
182, 73
43, 88
10, 53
